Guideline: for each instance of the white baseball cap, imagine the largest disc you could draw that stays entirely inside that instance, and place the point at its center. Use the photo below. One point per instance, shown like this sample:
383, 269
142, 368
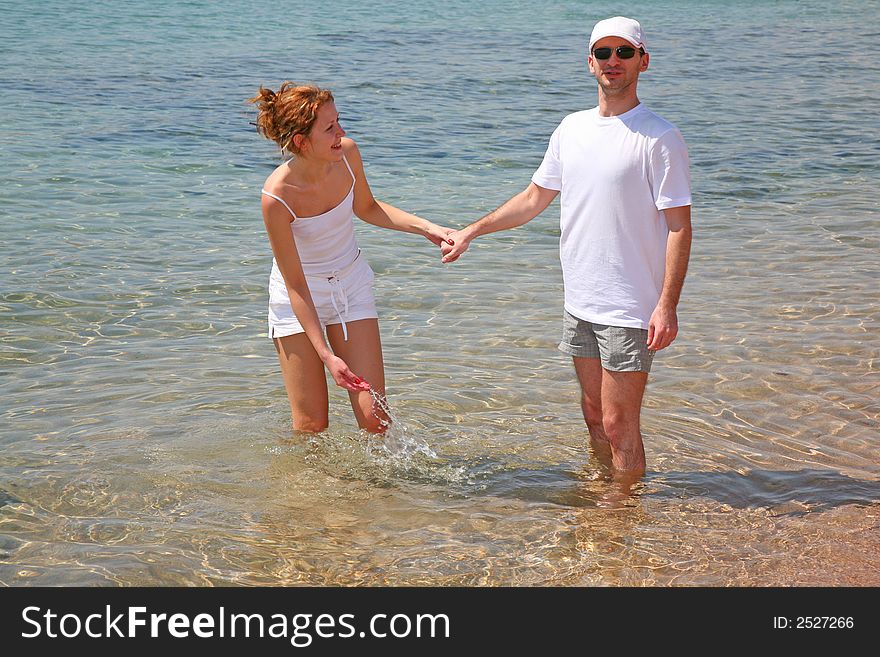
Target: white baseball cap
625, 28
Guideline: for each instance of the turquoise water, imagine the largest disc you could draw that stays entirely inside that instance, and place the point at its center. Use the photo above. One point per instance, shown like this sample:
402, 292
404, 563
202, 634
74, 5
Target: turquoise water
145, 431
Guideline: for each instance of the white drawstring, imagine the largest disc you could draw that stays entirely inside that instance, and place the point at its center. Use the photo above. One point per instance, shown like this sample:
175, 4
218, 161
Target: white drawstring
336, 285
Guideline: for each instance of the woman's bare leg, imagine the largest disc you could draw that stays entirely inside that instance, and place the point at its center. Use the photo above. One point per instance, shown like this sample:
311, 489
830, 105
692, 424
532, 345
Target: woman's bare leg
305, 381
363, 354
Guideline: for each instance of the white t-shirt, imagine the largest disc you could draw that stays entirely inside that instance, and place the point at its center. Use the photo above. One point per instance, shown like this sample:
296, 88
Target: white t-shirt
617, 175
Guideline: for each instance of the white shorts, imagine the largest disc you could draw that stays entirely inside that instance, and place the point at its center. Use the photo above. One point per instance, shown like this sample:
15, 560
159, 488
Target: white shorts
341, 296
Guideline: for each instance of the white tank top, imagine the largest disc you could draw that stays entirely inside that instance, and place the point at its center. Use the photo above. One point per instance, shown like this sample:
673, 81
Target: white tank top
325, 242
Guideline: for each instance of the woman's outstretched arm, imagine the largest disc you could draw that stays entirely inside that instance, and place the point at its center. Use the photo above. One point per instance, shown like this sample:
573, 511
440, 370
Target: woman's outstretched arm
382, 214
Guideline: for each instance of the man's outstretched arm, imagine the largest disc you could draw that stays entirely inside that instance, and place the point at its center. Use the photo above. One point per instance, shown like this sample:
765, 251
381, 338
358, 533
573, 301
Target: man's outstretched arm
518, 210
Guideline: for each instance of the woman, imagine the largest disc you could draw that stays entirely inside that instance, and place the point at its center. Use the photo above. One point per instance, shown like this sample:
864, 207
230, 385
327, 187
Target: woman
319, 278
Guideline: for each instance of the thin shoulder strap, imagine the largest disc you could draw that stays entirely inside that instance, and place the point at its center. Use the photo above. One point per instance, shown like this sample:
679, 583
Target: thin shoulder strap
278, 198
344, 159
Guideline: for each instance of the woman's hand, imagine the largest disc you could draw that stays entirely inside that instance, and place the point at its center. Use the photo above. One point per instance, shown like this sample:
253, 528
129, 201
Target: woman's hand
343, 376
437, 235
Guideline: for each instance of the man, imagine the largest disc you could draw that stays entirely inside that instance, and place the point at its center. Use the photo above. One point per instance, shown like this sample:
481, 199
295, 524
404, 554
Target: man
625, 238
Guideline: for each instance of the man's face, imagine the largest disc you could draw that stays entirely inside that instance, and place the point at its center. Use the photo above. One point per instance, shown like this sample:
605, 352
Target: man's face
616, 74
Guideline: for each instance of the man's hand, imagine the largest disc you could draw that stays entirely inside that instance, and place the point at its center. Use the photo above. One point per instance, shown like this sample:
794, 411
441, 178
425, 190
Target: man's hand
663, 327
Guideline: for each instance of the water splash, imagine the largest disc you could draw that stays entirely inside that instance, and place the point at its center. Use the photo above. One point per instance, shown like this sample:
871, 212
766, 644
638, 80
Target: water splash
380, 404
397, 441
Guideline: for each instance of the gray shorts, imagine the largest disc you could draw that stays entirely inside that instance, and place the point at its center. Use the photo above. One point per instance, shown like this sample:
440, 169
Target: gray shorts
620, 349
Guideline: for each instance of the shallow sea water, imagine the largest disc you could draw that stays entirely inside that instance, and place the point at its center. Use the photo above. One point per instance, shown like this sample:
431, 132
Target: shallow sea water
145, 431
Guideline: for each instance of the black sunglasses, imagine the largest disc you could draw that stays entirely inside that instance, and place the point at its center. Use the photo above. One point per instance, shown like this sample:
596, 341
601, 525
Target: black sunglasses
623, 52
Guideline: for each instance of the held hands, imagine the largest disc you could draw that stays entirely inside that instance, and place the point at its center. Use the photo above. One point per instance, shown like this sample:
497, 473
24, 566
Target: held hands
437, 235
343, 376
662, 327
452, 243
455, 245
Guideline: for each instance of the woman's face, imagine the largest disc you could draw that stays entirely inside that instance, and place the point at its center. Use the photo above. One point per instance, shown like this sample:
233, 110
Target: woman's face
324, 141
